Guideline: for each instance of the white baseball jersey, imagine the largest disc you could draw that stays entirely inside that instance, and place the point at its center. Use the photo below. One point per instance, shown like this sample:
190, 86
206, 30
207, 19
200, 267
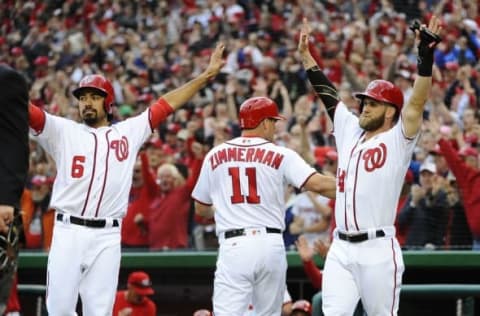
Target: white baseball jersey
94, 175
369, 179
94, 165
245, 179
381, 162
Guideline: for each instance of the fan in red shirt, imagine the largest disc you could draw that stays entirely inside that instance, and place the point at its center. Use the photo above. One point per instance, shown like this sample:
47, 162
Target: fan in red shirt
134, 231
168, 213
134, 301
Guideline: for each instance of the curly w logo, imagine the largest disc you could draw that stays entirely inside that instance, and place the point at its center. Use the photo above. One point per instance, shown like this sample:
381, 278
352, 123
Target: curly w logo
120, 146
374, 158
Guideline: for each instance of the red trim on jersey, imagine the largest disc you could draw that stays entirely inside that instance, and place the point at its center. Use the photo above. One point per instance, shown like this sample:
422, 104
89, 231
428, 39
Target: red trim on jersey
354, 204
252, 145
203, 203
345, 193
106, 173
93, 174
36, 118
394, 276
159, 112
311, 175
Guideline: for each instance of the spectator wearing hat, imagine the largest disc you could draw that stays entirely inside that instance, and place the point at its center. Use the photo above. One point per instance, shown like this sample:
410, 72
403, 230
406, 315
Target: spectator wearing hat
158, 153
401, 232
134, 300
458, 233
467, 179
41, 67
425, 212
441, 166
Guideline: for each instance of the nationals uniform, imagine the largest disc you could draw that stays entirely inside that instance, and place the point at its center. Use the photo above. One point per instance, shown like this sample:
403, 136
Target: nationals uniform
245, 180
90, 196
94, 168
369, 179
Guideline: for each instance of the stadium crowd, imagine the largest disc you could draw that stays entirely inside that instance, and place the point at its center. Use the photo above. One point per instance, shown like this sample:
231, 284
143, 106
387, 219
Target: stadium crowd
148, 47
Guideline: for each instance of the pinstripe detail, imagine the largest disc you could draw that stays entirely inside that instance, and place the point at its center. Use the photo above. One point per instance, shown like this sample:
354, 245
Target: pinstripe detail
106, 173
394, 279
354, 204
93, 174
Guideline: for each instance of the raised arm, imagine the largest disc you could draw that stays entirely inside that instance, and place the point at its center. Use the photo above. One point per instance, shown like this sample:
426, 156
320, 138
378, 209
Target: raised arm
323, 87
413, 111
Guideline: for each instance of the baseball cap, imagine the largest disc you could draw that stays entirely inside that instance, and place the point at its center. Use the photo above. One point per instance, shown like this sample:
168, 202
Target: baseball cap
428, 166
140, 281
302, 305
41, 61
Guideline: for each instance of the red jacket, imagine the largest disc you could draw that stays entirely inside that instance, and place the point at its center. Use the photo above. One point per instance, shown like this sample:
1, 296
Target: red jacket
146, 308
468, 181
168, 213
140, 198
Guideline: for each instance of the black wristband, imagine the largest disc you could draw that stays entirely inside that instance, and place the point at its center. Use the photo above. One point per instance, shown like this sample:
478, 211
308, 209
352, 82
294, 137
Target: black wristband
425, 65
426, 47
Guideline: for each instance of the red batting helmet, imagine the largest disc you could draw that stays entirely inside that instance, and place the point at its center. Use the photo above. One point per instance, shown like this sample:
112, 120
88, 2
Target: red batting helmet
255, 110
383, 91
302, 305
99, 83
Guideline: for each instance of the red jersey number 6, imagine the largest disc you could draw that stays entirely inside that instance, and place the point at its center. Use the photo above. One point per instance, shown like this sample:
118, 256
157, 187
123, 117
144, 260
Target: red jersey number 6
77, 166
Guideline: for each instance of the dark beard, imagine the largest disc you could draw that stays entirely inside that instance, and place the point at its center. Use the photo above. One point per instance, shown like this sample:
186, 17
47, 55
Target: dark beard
373, 124
90, 120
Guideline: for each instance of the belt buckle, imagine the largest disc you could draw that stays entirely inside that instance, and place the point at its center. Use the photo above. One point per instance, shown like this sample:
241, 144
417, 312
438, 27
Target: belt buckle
350, 237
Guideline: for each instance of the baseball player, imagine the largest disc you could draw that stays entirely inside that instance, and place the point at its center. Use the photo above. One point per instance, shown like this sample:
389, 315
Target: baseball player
13, 172
94, 163
134, 301
244, 179
374, 150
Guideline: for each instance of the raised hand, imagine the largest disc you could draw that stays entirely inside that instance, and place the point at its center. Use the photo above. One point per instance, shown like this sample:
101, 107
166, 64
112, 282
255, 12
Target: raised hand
304, 37
216, 61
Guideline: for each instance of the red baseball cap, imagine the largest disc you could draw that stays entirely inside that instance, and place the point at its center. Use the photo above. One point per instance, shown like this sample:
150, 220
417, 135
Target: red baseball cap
140, 281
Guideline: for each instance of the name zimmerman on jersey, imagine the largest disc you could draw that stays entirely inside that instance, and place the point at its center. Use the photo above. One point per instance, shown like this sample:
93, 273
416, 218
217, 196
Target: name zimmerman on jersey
266, 157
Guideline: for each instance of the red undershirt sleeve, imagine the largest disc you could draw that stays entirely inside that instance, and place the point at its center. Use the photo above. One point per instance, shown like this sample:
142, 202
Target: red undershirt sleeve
314, 274
36, 118
159, 112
